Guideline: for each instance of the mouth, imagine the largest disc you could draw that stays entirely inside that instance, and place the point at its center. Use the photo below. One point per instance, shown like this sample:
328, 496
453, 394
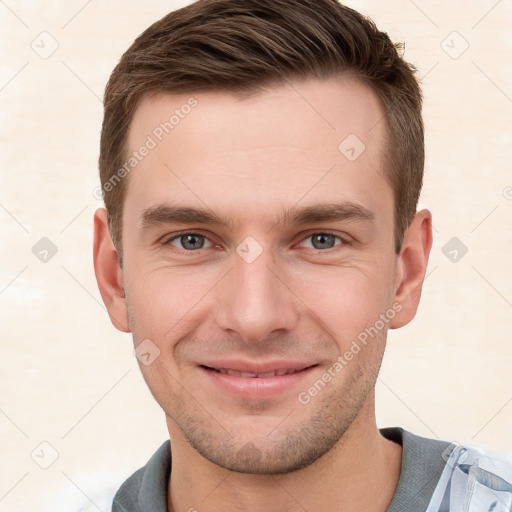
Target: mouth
262, 375
253, 382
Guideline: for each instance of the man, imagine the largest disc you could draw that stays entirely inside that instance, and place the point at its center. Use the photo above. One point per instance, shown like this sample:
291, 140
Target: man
261, 163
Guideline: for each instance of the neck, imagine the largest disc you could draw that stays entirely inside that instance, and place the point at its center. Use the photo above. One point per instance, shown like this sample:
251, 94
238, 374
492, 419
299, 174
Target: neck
360, 472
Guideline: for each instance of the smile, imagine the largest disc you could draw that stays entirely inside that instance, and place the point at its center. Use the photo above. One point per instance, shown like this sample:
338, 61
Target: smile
256, 383
275, 373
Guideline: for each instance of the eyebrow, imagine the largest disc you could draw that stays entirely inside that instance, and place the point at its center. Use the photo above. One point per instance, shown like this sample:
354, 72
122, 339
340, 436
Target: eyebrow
175, 214
325, 212
295, 216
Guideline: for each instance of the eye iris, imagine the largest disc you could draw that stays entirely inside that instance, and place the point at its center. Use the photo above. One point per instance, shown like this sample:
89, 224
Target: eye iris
188, 241
323, 238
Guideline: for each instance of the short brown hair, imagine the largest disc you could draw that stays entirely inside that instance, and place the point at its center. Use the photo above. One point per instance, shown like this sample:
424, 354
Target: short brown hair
238, 46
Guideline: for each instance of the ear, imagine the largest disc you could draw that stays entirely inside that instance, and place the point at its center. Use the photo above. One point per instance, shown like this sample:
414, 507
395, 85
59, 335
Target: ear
108, 272
412, 267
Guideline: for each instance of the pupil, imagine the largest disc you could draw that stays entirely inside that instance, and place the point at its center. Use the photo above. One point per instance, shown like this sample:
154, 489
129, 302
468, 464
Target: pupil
323, 238
188, 241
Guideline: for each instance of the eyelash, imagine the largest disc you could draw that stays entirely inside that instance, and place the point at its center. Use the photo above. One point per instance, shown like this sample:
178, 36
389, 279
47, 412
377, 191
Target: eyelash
344, 241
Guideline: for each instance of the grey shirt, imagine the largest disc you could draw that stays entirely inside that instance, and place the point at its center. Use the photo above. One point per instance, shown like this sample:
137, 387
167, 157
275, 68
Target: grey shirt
423, 461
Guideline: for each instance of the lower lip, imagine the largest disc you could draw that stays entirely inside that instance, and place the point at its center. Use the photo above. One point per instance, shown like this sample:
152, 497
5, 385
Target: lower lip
256, 387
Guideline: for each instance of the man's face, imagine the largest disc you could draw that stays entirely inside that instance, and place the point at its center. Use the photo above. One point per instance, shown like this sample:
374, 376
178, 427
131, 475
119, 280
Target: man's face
261, 291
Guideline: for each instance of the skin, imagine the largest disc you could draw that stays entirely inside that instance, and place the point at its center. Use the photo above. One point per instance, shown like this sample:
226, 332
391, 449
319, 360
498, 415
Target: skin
247, 160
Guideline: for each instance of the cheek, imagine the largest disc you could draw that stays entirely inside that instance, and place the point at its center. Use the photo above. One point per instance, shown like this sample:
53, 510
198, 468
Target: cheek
347, 300
163, 301
169, 303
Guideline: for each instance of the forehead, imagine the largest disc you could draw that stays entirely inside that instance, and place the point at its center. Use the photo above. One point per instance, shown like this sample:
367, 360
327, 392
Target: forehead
331, 108
314, 138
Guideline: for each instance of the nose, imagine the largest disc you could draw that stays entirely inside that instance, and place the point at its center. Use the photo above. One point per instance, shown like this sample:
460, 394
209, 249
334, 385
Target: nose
256, 301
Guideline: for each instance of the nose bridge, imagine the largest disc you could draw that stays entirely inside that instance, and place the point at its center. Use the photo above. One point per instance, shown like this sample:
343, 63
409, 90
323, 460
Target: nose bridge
255, 301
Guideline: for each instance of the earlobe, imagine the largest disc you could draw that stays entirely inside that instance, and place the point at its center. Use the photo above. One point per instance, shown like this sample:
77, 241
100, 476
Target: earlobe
412, 266
108, 272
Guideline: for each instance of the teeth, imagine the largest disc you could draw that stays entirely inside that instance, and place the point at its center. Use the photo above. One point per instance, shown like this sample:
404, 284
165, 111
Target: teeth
275, 373
241, 374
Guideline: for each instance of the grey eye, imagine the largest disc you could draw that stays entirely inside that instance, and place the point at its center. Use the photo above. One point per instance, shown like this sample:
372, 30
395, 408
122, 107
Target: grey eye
323, 240
190, 241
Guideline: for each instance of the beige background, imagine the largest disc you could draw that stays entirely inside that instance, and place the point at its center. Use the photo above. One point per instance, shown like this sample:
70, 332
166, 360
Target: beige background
70, 379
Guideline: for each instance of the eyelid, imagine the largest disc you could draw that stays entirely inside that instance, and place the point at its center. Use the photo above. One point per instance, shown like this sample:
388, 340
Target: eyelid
166, 240
344, 238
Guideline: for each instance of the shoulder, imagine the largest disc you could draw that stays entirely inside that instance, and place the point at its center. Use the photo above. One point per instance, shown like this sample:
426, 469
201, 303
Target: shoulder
145, 489
474, 479
147, 486
428, 451
423, 461
438, 475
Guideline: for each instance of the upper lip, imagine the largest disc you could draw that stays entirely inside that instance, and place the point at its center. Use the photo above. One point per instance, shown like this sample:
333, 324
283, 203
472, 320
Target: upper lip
255, 367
